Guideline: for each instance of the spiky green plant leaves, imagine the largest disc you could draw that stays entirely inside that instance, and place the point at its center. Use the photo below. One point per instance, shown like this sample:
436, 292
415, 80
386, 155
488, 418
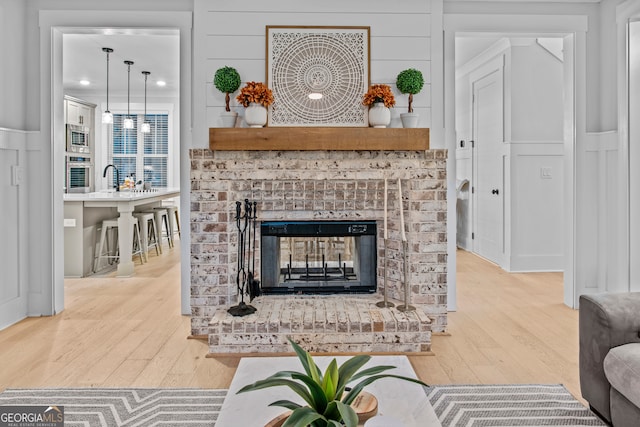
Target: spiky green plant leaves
328, 405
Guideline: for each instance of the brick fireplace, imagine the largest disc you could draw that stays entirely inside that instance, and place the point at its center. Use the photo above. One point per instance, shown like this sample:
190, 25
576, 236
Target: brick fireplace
314, 186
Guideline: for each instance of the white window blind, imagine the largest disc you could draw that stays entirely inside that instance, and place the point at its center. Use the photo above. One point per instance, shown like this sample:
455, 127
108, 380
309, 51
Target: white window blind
141, 156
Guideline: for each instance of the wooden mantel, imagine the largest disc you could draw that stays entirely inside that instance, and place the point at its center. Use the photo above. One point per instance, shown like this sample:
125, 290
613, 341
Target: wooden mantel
318, 138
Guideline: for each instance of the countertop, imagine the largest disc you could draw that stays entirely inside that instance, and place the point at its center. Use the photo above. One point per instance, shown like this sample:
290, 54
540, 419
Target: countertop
112, 195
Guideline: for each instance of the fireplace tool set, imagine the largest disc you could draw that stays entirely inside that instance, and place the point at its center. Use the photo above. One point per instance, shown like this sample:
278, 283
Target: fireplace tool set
246, 281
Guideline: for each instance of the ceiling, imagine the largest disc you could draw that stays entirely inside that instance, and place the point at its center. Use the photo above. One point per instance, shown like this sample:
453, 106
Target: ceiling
156, 51
469, 47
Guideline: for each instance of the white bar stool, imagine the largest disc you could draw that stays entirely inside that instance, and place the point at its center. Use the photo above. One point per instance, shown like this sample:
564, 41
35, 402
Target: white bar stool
149, 230
173, 214
111, 225
163, 219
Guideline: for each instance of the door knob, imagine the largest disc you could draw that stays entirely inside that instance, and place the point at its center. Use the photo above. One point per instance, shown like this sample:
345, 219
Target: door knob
495, 191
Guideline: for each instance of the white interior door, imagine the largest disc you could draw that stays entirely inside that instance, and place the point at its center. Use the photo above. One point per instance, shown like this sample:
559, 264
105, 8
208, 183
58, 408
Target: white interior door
488, 188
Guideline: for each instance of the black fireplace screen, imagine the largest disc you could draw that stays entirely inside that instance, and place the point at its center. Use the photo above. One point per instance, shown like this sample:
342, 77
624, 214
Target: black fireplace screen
318, 257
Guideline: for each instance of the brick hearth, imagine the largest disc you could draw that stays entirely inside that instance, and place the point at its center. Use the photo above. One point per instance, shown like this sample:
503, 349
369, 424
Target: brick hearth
320, 185
323, 324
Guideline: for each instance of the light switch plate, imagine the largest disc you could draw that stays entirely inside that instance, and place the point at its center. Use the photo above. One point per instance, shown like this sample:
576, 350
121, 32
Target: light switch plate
69, 222
545, 173
16, 175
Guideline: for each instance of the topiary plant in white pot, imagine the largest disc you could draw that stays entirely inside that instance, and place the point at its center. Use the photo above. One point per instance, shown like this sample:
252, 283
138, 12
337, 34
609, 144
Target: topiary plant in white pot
227, 81
410, 81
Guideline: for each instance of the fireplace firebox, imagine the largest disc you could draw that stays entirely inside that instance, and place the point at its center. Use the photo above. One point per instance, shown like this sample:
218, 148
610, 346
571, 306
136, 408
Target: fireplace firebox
318, 257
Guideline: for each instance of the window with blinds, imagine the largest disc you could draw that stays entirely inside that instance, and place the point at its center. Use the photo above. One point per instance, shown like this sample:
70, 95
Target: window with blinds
139, 155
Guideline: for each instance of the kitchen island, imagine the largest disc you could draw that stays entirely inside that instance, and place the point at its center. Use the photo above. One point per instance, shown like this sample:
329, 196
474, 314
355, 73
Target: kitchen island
83, 213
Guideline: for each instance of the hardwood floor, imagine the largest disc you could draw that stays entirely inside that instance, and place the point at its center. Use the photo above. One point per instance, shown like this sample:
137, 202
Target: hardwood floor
509, 328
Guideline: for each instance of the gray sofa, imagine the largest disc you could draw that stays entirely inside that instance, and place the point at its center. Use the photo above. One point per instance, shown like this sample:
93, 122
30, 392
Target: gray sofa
610, 356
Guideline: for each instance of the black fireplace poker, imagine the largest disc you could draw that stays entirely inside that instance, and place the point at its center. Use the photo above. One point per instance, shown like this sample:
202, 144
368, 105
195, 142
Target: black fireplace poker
245, 277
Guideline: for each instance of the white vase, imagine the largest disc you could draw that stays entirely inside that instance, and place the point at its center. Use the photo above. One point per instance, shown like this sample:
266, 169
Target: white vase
379, 115
255, 115
228, 119
409, 120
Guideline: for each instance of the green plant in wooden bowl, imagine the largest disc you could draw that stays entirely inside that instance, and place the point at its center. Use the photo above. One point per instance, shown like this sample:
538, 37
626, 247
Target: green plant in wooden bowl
328, 399
410, 81
227, 81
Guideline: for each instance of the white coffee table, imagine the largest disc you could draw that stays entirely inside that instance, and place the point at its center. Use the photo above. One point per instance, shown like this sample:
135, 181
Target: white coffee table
400, 399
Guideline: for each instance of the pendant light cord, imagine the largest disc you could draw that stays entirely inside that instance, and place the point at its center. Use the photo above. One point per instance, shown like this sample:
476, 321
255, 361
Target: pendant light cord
146, 74
129, 63
107, 50
107, 80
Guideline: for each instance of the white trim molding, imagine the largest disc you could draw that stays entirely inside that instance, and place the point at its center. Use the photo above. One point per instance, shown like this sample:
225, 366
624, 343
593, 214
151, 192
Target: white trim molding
626, 13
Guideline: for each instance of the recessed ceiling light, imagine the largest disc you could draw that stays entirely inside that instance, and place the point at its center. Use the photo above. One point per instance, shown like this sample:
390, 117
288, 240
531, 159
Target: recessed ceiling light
85, 82
315, 95
161, 83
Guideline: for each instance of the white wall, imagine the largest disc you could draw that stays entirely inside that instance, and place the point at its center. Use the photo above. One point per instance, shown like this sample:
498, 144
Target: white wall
14, 287
536, 159
13, 82
226, 35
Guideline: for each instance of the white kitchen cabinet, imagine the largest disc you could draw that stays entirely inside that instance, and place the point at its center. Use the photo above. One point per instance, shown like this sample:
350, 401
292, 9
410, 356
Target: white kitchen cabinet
78, 113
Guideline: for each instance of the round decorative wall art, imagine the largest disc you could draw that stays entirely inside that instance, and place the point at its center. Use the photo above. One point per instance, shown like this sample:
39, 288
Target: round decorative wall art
318, 75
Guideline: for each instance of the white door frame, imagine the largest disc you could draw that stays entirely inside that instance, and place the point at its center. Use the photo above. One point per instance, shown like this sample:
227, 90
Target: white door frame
629, 205
53, 24
574, 26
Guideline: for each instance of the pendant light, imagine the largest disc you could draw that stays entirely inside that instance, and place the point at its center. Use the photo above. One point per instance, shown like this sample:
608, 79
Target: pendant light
107, 117
128, 122
145, 127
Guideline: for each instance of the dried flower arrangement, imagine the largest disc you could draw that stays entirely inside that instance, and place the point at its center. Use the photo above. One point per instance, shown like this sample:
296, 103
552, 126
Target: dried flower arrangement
379, 93
256, 92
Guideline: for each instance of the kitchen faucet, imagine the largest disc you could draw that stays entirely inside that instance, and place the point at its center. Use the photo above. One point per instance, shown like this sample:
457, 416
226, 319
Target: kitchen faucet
104, 175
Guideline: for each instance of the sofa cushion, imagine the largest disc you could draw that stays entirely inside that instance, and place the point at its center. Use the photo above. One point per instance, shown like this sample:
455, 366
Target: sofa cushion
622, 368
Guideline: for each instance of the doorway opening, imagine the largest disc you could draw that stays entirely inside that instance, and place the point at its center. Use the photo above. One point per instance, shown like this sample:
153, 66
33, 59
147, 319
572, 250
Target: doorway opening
53, 25
510, 128
571, 30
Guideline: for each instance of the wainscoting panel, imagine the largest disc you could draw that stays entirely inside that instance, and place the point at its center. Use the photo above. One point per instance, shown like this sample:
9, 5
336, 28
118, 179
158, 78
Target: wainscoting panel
13, 295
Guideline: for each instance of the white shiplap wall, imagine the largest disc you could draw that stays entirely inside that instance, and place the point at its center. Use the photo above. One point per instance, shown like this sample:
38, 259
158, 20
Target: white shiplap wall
229, 35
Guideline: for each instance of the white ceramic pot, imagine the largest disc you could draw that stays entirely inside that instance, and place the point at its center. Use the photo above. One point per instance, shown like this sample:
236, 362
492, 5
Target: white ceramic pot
379, 115
255, 115
409, 120
228, 119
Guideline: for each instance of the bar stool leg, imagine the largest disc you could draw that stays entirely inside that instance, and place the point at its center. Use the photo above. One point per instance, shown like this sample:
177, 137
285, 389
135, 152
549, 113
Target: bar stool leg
98, 254
153, 232
169, 228
175, 212
137, 243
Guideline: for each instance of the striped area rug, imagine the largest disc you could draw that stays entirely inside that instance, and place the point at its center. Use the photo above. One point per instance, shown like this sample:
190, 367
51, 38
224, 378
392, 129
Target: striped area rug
508, 405
457, 405
125, 407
